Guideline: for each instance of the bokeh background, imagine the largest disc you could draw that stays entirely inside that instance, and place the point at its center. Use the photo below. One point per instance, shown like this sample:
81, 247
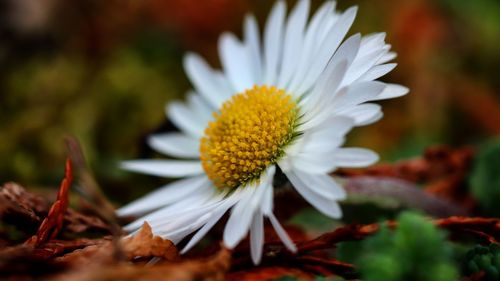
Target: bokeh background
103, 71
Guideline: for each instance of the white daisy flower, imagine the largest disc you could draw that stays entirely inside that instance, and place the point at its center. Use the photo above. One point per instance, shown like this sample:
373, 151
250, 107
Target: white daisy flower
287, 102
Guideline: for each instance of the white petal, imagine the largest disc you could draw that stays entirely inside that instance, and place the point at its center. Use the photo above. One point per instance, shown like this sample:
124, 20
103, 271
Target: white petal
164, 168
348, 50
354, 157
214, 218
361, 65
185, 120
358, 93
377, 72
175, 144
310, 42
328, 47
206, 81
392, 91
327, 136
328, 80
251, 31
373, 41
317, 106
363, 114
311, 163
235, 61
267, 200
293, 41
265, 193
190, 212
273, 38
388, 57
257, 237
239, 221
163, 196
282, 233
370, 120
323, 185
200, 107
251, 201
187, 204
326, 206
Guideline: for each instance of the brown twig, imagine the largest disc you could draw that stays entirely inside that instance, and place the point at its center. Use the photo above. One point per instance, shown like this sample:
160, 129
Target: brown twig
52, 224
91, 190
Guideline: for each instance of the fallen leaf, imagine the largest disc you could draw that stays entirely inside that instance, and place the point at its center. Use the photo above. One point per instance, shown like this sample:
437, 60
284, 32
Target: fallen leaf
145, 244
269, 273
77, 222
210, 269
18, 204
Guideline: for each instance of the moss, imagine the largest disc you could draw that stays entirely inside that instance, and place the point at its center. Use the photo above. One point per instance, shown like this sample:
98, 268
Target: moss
416, 250
485, 177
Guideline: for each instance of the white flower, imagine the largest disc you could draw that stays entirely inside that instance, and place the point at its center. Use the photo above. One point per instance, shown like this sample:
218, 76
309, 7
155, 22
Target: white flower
287, 103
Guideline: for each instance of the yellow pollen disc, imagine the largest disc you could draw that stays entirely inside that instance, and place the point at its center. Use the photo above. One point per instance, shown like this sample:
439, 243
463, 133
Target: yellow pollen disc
247, 135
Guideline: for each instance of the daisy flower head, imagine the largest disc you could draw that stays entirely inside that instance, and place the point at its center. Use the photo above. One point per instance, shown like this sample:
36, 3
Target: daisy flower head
282, 101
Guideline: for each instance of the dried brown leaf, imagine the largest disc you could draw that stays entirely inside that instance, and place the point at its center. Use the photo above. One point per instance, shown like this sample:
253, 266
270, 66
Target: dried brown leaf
100, 252
212, 268
77, 222
269, 273
145, 244
17, 204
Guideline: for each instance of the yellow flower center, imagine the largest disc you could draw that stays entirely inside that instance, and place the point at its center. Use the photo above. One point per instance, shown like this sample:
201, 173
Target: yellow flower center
247, 135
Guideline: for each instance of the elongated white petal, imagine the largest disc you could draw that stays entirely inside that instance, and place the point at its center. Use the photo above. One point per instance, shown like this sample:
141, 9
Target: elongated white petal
198, 105
392, 91
182, 206
293, 40
203, 231
164, 168
317, 107
252, 41
163, 196
361, 65
310, 42
330, 80
252, 199
273, 42
327, 136
282, 233
372, 41
185, 120
358, 93
377, 72
218, 212
175, 144
257, 237
387, 57
328, 47
235, 61
267, 200
354, 157
363, 114
206, 81
323, 185
239, 222
326, 206
311, 163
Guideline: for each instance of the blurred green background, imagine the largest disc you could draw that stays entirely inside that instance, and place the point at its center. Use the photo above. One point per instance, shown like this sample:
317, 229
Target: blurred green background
104, 70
